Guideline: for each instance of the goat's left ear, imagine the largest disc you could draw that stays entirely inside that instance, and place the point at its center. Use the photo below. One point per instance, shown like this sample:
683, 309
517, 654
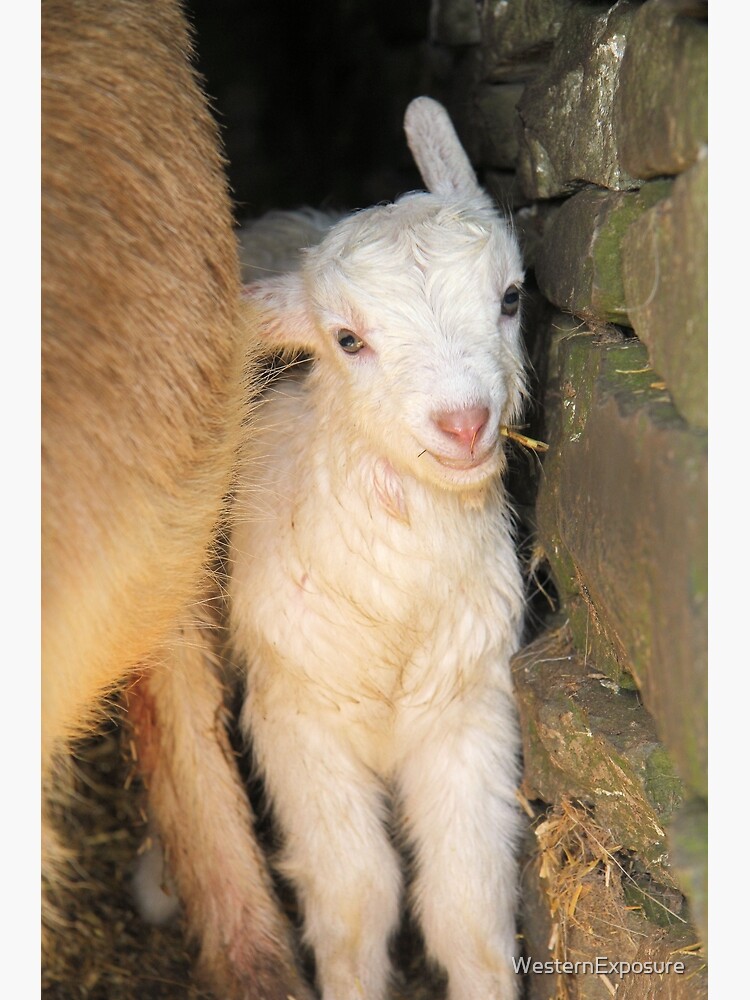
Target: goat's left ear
437, 150
277, 310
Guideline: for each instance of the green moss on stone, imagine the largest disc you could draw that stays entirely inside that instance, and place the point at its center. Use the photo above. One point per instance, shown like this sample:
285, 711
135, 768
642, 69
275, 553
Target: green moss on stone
580, 264
660, 905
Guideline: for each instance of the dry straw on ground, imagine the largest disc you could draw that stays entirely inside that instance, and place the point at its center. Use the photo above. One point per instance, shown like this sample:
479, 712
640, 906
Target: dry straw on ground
583, 873
578, 866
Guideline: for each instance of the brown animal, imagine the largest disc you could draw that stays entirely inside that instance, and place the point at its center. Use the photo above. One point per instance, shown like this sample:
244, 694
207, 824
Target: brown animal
142, 375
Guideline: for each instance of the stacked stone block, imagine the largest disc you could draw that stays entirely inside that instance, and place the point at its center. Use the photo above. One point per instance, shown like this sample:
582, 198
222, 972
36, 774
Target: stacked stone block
589, 122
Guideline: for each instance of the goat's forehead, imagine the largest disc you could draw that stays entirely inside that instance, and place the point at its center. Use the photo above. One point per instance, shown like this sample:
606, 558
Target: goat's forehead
415, 259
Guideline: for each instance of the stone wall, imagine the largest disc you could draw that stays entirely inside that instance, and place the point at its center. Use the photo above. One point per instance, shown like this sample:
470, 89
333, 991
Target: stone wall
589, 123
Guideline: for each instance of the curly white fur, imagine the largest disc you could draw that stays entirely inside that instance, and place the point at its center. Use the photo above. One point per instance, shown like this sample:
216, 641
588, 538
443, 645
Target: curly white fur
375, 591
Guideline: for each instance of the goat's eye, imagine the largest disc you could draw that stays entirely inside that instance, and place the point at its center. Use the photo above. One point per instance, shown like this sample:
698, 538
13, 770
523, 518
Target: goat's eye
511, 300
349, 341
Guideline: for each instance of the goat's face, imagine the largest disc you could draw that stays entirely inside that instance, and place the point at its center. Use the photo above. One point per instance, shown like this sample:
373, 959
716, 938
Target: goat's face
416, 311
412, 312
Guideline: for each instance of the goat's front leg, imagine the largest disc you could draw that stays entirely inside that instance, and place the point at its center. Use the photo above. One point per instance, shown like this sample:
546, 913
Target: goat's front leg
336, 853
202, 814
457, 783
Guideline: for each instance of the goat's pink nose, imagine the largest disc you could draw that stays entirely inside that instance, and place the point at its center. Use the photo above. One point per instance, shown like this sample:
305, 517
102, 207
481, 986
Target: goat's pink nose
466, 425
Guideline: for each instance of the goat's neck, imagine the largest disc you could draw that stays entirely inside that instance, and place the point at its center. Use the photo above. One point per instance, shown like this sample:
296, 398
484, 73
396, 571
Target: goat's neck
361, 476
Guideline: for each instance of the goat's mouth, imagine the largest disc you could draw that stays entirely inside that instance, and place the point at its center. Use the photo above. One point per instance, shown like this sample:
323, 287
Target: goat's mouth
469, 468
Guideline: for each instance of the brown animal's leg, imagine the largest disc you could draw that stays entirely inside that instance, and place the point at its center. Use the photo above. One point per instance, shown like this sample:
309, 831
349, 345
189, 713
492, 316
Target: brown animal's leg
203, 817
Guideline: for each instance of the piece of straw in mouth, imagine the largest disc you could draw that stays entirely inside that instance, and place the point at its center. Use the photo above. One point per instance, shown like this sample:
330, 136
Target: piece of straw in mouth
522, 439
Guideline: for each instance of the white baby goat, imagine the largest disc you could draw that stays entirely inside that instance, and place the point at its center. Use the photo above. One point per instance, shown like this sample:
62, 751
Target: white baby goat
375, 591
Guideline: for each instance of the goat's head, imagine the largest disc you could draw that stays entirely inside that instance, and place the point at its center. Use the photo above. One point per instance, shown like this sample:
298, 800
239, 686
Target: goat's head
413, 312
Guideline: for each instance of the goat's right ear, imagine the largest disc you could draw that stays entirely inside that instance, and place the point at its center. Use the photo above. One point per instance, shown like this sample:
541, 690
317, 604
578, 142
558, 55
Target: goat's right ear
437, 150
276, 309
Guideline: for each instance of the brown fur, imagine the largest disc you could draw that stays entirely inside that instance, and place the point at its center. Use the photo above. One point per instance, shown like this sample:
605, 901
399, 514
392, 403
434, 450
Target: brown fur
141, 375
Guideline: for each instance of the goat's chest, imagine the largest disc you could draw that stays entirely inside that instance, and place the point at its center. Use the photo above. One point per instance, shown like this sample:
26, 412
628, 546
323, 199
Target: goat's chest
367, 613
